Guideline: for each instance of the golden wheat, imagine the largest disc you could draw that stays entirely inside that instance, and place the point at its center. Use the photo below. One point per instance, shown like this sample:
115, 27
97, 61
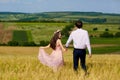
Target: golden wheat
21, 63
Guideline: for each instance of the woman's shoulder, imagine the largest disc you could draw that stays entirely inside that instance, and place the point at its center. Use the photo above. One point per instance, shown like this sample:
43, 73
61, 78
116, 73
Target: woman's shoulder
58, 41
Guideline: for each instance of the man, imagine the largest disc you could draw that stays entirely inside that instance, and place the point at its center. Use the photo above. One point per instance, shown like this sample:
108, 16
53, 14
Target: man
80, 42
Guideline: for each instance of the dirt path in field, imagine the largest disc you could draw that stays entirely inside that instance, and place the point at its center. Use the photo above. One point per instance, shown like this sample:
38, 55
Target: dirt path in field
100, 45
103, 45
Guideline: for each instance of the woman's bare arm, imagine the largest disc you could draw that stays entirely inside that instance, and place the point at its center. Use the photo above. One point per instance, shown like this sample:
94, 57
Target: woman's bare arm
60, 43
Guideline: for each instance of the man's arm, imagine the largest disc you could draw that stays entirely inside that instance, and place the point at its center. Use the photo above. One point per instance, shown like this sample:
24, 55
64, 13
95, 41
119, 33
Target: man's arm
68, 41
88, 44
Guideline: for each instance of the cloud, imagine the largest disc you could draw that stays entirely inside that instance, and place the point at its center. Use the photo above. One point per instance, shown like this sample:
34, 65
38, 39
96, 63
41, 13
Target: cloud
7, 1
41, 0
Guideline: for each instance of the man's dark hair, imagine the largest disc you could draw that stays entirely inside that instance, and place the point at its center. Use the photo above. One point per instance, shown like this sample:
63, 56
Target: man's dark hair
78, 24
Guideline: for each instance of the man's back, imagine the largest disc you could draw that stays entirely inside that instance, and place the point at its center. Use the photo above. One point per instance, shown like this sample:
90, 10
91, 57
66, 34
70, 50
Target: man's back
80, 39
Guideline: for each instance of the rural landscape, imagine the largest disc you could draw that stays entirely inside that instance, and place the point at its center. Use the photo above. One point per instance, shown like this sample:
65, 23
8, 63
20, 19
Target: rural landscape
21, 35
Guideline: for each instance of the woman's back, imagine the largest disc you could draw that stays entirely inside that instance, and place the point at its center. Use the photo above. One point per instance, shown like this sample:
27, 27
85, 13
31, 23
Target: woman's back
55, 59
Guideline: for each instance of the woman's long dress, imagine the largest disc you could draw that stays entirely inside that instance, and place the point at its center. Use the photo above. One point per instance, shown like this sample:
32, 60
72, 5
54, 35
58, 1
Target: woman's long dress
55, 59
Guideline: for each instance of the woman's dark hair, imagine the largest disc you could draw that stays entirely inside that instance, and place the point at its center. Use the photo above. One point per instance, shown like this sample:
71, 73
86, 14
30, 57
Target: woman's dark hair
54, 39
78, 24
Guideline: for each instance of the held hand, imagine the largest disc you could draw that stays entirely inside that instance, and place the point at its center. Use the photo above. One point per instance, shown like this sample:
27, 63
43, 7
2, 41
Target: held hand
66, 49
63, 49
90, 55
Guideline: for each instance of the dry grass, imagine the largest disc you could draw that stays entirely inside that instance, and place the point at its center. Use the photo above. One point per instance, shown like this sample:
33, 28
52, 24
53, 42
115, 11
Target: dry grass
21, 63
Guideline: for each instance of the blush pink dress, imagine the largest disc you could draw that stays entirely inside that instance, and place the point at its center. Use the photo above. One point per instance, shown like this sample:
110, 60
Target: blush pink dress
55, 59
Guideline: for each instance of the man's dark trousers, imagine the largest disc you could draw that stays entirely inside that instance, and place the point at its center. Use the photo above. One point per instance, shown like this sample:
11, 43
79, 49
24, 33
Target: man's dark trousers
79, 54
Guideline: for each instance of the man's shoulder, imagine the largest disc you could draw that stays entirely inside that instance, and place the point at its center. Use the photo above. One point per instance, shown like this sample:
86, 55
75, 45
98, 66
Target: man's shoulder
84, 30
79, 30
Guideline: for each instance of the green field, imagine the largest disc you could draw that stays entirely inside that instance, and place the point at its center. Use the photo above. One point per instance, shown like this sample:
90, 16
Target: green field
44, 31
20, 36
41, 30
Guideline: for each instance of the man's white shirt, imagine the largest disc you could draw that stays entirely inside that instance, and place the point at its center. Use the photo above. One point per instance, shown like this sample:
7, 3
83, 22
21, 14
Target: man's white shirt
80, 39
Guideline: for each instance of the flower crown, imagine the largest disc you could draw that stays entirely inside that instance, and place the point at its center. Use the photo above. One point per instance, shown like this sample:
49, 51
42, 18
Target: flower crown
57, 31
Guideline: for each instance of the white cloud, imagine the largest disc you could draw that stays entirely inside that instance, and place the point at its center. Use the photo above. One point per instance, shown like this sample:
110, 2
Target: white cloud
6, 1
40, 0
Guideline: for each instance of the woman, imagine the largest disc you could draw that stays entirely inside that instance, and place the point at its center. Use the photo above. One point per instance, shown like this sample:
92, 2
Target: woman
55, 59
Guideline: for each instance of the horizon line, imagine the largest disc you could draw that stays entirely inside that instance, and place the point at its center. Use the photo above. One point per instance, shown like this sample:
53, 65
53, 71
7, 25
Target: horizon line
56, 12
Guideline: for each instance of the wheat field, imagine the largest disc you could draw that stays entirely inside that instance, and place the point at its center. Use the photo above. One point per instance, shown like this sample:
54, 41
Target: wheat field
21, 63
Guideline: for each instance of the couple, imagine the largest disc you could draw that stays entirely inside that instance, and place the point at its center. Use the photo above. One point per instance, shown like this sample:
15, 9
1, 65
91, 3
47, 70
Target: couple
80, 42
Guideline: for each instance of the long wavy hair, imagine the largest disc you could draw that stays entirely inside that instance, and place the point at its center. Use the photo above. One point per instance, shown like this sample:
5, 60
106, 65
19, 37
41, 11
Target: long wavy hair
54, 39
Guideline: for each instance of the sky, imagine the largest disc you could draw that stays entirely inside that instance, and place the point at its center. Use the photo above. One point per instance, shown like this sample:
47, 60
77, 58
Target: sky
37, 6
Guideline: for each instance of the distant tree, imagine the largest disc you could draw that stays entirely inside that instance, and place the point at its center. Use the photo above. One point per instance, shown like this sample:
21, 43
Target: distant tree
94, 20
95, 29
106, 29
117, 34
44, 43
27, 43
119, 28
106, 35
3, 44
32, 43
66, 30
13, 43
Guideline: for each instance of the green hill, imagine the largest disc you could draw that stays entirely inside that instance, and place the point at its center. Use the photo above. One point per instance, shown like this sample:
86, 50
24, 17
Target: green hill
87, 17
